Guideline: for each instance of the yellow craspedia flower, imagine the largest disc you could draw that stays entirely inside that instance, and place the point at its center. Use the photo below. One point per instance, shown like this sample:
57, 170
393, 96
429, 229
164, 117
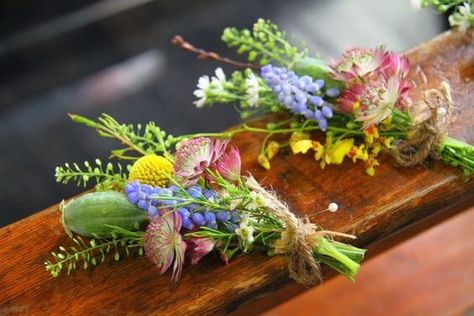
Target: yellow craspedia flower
152, 170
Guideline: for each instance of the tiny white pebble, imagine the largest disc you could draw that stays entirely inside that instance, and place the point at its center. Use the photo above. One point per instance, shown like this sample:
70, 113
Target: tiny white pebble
441, 112
332, 207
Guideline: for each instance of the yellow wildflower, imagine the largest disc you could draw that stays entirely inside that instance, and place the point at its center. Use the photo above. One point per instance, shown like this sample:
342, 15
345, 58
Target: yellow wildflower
387, 141
370, 166
263, 161
318, 150
371, 133
152, 170
336, 152
376, 149
358, 153
272, 149
300, 143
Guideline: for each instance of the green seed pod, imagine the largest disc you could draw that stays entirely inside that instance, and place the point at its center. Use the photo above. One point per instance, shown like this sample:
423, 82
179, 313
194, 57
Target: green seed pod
90, 214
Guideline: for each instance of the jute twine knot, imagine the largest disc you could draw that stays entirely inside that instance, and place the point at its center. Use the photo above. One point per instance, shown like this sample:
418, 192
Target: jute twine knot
425, 138
298, 240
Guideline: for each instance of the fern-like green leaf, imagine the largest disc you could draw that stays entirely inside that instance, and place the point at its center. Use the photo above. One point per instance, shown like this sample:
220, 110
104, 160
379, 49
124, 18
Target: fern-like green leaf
108, 177
137, 140
264, 43
93, 253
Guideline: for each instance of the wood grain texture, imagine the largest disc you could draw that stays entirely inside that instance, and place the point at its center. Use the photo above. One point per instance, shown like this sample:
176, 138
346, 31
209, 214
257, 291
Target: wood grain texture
431, 274
371, 207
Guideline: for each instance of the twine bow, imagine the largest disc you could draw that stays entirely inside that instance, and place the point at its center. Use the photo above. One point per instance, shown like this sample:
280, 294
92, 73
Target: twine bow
299, 239
425, 138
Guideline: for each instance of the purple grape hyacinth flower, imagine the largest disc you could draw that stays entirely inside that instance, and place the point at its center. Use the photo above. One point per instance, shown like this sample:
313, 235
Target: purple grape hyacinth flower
300, 95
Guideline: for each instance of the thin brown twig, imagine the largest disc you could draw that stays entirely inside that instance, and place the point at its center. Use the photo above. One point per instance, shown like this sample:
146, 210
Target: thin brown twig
205, 55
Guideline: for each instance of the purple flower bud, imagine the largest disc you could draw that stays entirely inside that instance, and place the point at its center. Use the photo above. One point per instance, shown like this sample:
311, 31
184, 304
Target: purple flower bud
323, 124
320, 83
316, 100
195, 191
333, 92
208, 194
210, 217
133, 197
327, 111
143, 204
198, 219
152, 211
188, 224
184, 212
308, 114
223, 216
318, 115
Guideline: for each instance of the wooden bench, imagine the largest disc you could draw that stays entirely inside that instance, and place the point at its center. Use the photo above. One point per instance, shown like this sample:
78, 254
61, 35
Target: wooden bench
370, 207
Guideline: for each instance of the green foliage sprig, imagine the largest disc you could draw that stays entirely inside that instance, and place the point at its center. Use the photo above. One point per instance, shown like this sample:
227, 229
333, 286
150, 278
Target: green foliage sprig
137, 140
95, 251
108, 178
264, 43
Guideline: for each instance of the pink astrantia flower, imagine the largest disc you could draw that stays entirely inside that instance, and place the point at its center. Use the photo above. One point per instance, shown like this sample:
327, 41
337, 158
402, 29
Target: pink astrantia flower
198, 248
349, 97
194, 156
377, 101
229, 164
394, 64
164, 245
357, 63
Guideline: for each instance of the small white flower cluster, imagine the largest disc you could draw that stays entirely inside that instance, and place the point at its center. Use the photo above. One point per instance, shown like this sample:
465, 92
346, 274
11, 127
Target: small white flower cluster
463, 17
218, 89
256, 201
205, 84
245, 233
252, 89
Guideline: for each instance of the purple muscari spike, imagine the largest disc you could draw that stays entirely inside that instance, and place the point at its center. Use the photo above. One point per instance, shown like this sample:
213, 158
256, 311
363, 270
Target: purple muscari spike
298, 94
333, 92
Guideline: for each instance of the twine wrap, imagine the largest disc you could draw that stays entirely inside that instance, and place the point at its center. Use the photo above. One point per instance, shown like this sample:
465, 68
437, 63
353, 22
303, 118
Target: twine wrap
298, 240
425, 138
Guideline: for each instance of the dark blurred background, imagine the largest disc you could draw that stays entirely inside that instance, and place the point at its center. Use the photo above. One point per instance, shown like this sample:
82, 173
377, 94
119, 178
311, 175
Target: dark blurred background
114, 56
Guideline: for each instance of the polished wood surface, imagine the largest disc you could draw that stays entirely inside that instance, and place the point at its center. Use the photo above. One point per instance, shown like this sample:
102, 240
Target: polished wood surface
431, 274
370, 207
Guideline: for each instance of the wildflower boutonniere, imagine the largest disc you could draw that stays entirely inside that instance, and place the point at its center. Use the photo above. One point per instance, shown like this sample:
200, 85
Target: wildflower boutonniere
180, 199
360, 101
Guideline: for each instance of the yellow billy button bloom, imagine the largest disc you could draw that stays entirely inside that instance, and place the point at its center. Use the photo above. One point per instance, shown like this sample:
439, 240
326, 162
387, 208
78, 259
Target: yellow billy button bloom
152, 170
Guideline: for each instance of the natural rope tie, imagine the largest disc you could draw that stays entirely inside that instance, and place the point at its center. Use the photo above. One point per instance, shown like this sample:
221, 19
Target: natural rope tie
299, 239
425, 138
